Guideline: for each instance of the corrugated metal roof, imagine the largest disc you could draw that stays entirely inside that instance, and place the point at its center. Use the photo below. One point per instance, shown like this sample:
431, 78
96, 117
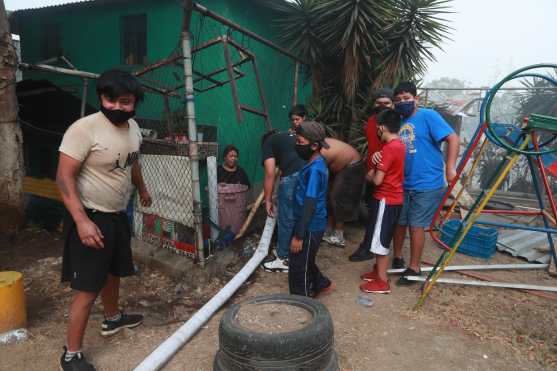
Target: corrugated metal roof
76, 3
529, 245
52, 6
69, 4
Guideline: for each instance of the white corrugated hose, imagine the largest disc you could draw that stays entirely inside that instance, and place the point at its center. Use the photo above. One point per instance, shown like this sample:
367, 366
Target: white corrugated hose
165, 351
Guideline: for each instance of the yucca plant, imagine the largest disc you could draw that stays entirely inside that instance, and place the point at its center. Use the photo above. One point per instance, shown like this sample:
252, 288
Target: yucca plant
353, 47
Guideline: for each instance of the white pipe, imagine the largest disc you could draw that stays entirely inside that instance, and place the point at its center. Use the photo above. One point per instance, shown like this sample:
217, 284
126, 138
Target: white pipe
508, 285
165, 351
479, 267
213, 195
193, 146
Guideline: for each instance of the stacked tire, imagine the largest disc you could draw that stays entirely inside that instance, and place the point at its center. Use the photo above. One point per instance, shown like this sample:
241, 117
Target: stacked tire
310, 348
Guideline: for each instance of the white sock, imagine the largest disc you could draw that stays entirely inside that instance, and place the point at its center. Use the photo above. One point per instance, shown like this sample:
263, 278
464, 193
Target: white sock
69, 355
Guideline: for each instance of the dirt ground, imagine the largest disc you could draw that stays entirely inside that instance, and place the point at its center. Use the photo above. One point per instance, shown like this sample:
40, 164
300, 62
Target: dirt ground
459, 328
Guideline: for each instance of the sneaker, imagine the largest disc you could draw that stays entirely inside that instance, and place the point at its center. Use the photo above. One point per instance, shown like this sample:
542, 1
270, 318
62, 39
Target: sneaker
324, 291
403, 281
328, 237
335, 239
377, 286
277, 265
270, 257
370, 276
77, 363
361, 255
398, 263
126, 321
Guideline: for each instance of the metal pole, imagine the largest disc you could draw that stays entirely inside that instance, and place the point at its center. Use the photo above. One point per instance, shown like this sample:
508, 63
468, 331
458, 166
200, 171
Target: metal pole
78, 73
508, 285
232, 78
167, 115
296, 78
61, 70
516, 226
192, 133
539, 194
490, 267
201, 9
84, 96
268, 124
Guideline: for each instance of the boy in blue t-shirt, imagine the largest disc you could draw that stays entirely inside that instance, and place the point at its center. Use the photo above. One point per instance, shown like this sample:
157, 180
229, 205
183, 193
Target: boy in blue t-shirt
425, 173
310, 213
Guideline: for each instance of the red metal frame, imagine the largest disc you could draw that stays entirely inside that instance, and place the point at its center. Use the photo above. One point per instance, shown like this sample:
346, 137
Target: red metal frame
452, 184
462, 166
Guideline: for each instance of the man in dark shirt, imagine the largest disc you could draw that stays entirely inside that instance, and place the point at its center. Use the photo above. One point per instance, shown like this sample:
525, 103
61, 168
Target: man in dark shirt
279, 150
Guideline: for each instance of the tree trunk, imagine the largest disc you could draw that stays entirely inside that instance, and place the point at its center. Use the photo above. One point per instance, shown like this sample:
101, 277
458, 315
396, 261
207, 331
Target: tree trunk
11, 139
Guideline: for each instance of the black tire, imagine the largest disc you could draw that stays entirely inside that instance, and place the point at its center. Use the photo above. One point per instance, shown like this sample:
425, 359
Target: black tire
310, 348
219, 366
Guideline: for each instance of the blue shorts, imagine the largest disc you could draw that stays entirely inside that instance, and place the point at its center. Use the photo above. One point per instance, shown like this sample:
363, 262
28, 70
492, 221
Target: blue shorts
420, 206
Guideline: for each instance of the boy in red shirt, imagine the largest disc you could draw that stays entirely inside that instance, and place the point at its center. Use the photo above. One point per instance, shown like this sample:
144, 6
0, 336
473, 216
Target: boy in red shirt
386, 201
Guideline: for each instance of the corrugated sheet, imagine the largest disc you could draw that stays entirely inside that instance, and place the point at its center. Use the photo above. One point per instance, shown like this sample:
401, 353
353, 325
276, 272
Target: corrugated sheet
79, 3
529, 245
69, 4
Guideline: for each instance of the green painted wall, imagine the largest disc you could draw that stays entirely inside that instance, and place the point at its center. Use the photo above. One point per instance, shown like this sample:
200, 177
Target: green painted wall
91, 40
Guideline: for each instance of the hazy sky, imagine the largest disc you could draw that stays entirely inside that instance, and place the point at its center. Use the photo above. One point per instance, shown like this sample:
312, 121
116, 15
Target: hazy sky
491, 37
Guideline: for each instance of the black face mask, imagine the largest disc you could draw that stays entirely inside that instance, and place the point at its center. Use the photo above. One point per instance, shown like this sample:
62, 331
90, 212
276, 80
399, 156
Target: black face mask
377, 110
304, 151
117, 116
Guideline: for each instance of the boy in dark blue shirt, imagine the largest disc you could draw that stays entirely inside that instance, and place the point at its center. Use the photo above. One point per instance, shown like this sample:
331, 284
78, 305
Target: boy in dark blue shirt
310, 213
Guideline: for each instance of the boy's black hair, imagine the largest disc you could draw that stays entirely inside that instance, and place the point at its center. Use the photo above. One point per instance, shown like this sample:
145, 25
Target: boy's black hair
267, 135
229, 148
390, 119
384, 93
115, 83
406, 87
298, 110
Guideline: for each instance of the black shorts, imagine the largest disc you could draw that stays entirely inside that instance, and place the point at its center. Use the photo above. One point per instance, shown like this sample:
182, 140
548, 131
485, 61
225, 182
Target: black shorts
87, 268
383, 220
346, 191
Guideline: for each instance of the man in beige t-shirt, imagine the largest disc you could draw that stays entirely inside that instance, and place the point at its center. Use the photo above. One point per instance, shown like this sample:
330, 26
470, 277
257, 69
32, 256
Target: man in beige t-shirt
98, 165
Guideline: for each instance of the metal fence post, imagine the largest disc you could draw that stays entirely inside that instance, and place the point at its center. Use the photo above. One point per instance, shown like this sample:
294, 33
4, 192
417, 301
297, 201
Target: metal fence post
193, 146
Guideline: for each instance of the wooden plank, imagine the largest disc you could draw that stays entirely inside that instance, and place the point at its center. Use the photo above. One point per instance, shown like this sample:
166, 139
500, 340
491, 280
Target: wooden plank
45, 187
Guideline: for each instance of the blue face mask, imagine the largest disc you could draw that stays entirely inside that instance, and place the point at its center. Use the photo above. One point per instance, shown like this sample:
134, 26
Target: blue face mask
405, 109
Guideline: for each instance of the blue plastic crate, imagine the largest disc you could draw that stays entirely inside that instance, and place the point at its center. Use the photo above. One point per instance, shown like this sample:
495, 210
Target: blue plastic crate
480, 242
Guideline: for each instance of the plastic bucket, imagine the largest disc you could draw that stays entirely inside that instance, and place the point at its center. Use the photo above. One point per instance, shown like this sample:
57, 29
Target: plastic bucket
232, 206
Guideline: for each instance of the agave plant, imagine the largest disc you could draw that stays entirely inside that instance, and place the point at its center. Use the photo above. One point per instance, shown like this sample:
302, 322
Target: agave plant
354, 46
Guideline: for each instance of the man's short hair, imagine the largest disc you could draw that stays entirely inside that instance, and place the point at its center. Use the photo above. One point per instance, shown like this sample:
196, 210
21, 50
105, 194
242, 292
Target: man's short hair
406, 87
383, 93
229, 148
267, 135
298, 110
115, 83
390, 119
